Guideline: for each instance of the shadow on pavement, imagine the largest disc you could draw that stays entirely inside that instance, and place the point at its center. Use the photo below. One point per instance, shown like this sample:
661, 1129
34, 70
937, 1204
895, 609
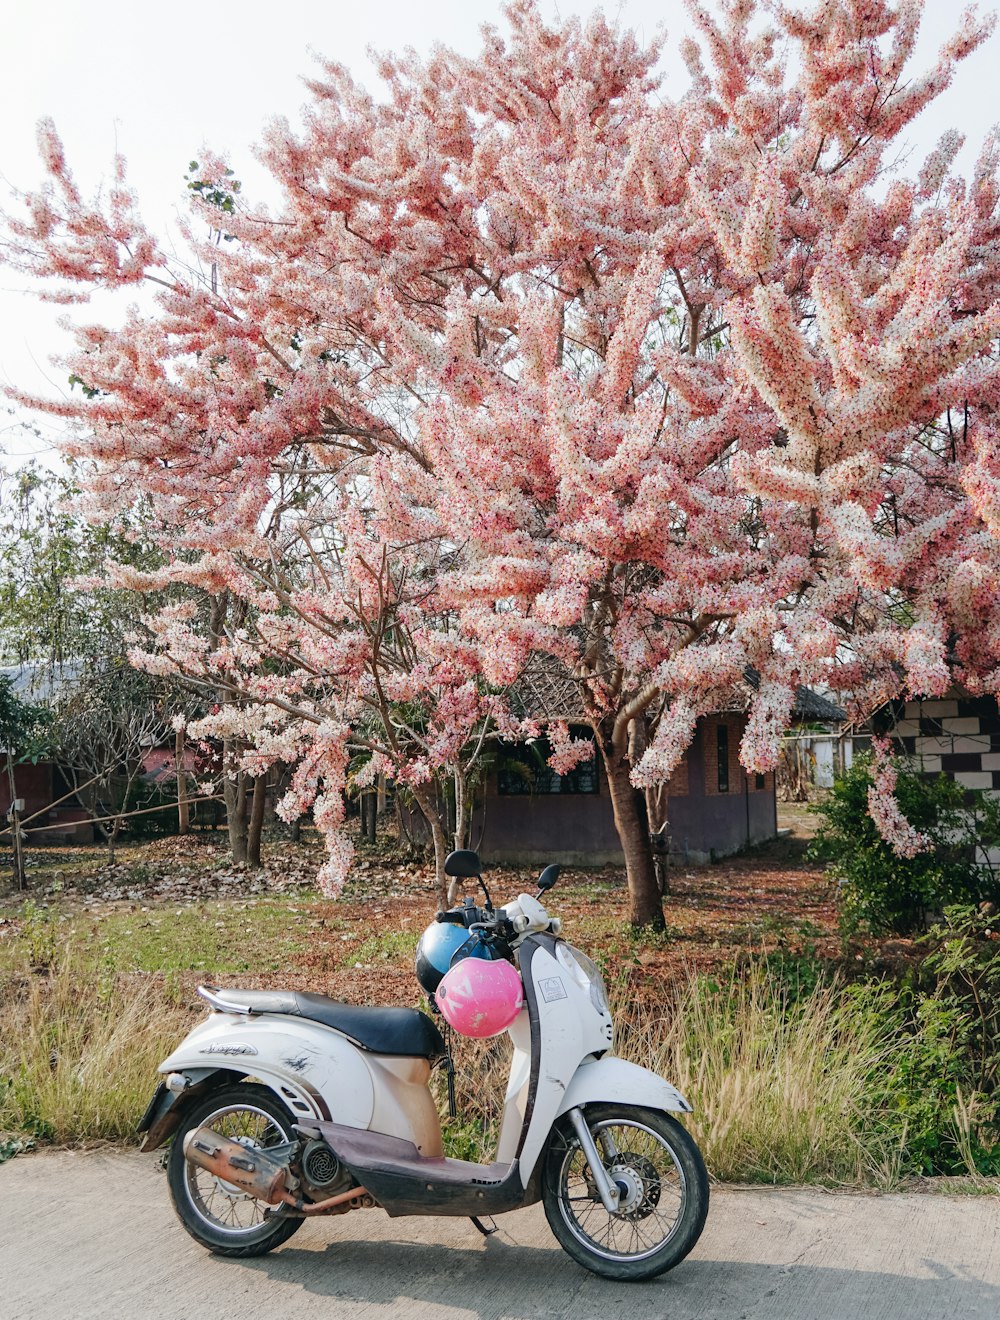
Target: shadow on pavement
504, 1279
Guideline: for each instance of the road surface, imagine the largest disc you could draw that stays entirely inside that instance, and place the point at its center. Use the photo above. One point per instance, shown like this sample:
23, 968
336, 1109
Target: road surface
93, 1235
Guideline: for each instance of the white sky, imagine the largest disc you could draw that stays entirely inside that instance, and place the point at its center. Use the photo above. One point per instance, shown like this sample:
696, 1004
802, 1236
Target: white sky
157, 81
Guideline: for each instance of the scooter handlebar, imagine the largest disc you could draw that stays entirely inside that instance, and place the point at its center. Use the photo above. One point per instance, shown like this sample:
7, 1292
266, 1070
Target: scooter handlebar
452, 918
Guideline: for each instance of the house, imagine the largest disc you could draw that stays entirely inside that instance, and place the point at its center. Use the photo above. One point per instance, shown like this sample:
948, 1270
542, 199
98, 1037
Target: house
529, 814
956, 735
50, 807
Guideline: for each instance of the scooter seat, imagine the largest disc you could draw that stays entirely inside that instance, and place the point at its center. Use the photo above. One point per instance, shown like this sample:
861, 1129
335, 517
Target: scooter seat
400, 1031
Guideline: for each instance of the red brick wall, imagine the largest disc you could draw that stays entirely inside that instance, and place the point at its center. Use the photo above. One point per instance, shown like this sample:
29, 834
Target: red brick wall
678, 785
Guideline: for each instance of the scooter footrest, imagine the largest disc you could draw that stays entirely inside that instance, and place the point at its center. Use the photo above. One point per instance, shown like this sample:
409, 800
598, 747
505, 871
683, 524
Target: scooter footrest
376, 1150
404, 1182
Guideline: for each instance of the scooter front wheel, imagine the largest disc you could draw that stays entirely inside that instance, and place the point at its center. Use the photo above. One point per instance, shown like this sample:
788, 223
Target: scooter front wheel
662, 1186
220, 1216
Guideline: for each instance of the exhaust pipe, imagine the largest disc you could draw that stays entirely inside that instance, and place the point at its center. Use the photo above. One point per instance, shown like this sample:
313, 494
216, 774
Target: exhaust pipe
258, 1173
250, 1168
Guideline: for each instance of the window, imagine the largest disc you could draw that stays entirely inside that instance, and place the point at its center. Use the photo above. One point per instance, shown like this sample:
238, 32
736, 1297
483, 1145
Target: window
761, 781
522, 770
722, 746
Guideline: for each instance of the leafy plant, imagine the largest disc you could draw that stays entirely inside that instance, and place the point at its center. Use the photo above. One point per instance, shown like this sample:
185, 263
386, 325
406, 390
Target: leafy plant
13, 1146
38, 932
881, 891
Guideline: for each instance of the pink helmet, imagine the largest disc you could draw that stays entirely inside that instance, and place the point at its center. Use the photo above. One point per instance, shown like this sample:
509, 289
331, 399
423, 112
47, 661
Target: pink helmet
480, 998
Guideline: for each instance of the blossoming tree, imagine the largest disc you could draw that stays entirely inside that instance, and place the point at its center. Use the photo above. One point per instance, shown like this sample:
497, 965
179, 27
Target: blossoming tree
671, 387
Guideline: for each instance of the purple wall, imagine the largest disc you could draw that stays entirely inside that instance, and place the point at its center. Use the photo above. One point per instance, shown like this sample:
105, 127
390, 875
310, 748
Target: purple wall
579, 830
575, 829
706, 825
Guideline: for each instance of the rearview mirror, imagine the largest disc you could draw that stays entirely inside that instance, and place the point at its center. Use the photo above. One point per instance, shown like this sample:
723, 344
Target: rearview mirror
464, 863
548, 877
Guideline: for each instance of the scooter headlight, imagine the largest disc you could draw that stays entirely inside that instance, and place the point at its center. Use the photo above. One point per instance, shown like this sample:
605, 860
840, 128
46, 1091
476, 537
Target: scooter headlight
585, 973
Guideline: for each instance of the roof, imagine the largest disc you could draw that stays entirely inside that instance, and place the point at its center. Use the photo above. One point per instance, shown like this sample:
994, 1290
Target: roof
41, 683
548, 691
808, 705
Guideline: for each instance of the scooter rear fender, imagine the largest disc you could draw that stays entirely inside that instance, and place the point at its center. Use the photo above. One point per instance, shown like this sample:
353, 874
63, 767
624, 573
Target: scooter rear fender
611, 1080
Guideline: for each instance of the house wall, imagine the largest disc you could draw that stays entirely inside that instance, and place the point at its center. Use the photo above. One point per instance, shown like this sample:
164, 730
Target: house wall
705, 823
574, 829
579, 830
35, 787
958, 736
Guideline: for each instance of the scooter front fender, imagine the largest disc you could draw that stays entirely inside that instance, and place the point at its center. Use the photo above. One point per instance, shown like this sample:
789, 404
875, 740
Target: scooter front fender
600, 1081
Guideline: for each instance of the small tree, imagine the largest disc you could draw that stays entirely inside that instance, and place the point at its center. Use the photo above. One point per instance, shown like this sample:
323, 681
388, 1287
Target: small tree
23, 737
101, 733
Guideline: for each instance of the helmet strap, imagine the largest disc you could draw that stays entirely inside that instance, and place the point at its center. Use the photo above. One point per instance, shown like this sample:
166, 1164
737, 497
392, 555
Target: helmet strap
449, 1067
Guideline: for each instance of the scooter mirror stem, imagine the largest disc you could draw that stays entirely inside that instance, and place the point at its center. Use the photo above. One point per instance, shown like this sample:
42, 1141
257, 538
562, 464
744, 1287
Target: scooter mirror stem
489, 901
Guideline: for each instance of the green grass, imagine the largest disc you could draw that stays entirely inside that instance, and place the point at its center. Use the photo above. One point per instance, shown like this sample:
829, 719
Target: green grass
387, 946
215, 936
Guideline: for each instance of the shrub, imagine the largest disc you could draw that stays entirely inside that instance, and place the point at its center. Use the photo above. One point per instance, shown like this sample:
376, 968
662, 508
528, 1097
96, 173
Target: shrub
883, 892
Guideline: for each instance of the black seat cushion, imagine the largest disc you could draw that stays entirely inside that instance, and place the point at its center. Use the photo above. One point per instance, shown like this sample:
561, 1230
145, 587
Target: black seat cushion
401, 1031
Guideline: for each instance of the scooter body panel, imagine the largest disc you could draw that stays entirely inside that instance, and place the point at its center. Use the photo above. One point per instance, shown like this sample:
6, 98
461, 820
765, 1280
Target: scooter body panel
315, 1071
565, 1028
318, 1073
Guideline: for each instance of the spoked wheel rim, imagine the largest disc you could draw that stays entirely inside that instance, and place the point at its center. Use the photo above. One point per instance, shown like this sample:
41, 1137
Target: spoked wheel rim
651, 1184
221, 1205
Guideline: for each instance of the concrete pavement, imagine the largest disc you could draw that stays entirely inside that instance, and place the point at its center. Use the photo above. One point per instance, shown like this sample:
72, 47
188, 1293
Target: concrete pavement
92, 1235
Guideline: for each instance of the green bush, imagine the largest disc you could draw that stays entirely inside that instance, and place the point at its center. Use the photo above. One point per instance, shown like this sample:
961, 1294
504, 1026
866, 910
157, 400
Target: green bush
939, 1097
881, 891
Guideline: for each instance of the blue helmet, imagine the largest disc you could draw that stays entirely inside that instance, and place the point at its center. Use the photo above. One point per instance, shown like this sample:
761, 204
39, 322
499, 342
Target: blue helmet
438, 946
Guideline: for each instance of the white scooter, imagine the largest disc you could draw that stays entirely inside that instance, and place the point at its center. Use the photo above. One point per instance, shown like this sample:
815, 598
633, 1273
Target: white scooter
284, 1105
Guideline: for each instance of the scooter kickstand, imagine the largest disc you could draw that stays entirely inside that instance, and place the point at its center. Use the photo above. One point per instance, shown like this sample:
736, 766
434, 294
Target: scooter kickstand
486, 1232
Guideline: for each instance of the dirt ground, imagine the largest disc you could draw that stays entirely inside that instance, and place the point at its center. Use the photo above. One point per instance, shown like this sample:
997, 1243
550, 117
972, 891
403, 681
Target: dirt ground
360, 946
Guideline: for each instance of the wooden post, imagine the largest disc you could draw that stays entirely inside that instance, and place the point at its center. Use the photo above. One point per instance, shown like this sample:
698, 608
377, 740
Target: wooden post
20, 881
183, 813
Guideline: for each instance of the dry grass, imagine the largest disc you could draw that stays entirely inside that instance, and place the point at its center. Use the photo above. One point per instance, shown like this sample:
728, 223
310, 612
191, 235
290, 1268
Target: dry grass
78, 1055
781, 1086
778, 1087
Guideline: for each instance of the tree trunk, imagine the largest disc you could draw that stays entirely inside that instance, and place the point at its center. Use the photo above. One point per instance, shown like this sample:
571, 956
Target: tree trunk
234, 791
256, 822
659, 838
425, 802
402, 825
629, 805
113, 833
183, 812
461, 834
369, 815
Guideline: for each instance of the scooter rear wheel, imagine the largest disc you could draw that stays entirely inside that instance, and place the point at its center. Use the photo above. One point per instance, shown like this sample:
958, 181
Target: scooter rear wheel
222, 1218
662, 1184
